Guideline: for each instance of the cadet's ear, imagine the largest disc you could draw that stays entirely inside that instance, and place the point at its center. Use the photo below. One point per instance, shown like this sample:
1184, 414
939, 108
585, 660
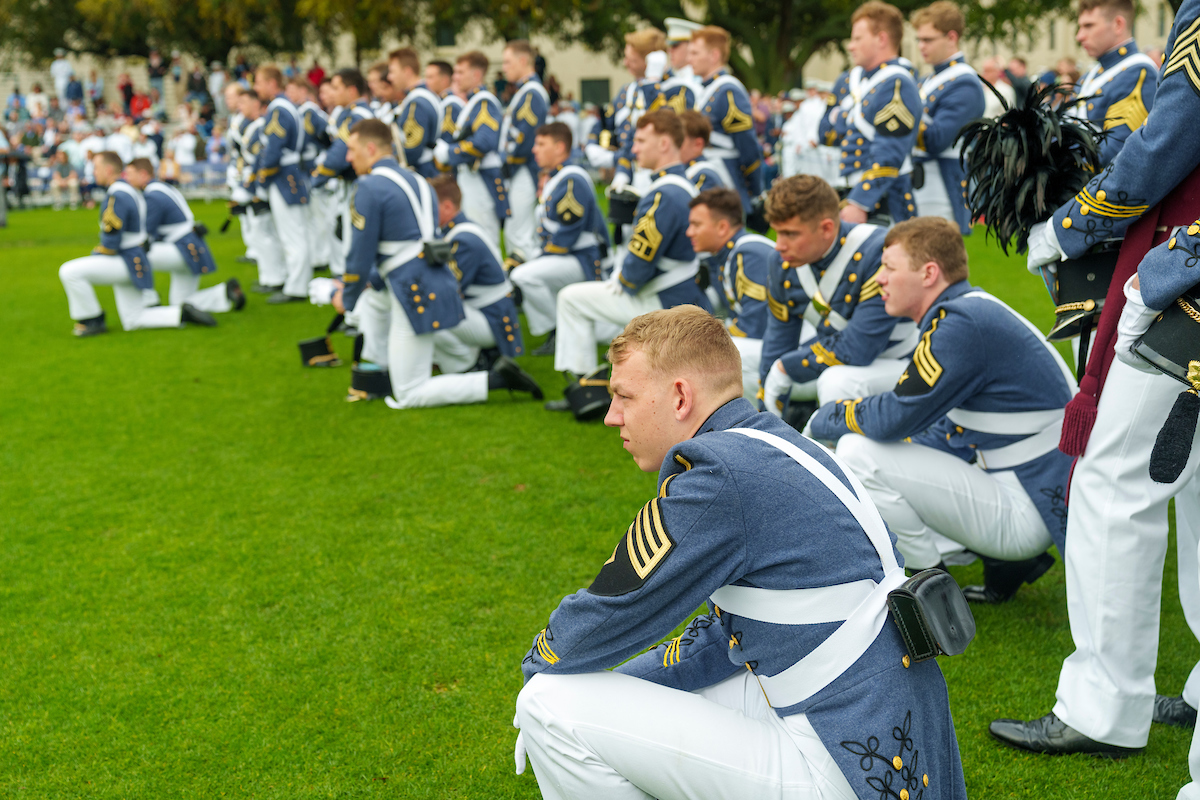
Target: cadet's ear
683, 398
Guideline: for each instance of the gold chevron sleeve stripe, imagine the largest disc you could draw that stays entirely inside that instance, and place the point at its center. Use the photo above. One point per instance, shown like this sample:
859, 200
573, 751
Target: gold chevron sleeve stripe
927, 366
746, 287
569, 205
470, 149
671, 655
662, 490
274, 128
308, 126
414, 132
357, 219
646, 235
525, 114
1131, 111
109, 218
735, 120
895, 114
544, 649
343, 130
683, 462
647, 541
484, 117
871, 288
824, 355
1185, 56
881, 172
448, 122
852, 416
1097, 204
779, 310
678, 103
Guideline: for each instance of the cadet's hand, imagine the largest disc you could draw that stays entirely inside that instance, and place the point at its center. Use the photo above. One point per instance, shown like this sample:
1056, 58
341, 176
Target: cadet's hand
441, 151
777, 385
599, 157
519, 751
619, 182
1044, 250
1135, 320
853, 214
337, 303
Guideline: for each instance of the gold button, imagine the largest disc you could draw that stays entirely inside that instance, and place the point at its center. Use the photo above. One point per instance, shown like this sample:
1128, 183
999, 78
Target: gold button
413, 287
508, 328
925, 779
866, 186
875, 165
1193, 229
420, 309
1067, 222
791, 302
1084, 209
856, 165
910, 207
506, 319
843, 240
1100, 195
848, 298
437, 324
416, 298
852, 277
858, 256
858, 152
1171, 244
804, 362
1089, 305
510, 338
964, 184
904, 794
897, 763
905, 661
827, 323
787, 284
786, 264
908, 197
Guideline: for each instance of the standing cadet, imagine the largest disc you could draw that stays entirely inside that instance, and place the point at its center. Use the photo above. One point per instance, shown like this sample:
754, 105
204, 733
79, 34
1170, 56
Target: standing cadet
473, 151
797, 684
1118, 92
953, 96
316, 141
277, 169
1117, 530
239, 197
716, 225
659, 268
384, 96
966, 445
120, 262
439, 77
418, 117
680, 86
347, 89
828, 335
876, 128
392, 221
176, 248
268, 250
572, 232
641, 95
491, 315
526, 114
733, 147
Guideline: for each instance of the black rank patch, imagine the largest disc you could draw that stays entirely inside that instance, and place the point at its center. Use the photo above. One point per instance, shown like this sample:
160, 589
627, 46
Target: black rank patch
639, 553
924, 371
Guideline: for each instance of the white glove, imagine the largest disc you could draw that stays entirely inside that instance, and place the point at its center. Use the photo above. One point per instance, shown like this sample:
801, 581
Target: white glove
619, 182
1135, 320
778, 384
599, 157
1044, 249
519, 751
320, 291
656, 65
441, 152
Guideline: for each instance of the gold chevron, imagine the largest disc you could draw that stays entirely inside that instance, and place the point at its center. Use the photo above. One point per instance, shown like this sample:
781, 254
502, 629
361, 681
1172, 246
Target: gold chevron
746, 287
526, 111
779, 309
357, 219
927, 366
678, 103
647, 541
413, 132
1131, 111
109, 218
1185, 55
871, 288
274, 128
735, 120
646, 236
484, 117
308, 126
1096, 204
343, 130
448, 122
569, 205
895, 115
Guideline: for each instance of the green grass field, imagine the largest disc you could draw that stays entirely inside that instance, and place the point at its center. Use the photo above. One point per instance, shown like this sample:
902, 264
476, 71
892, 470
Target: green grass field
217, 579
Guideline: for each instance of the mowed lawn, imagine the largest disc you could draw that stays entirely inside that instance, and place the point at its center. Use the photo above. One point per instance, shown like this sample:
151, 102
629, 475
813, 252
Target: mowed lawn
218, 579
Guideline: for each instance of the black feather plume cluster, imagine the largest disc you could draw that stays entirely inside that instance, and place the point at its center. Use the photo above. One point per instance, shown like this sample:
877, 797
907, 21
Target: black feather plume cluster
1025, 163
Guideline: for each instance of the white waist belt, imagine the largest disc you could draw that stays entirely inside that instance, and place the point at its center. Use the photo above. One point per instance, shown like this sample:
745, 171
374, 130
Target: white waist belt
483, 296
721, 153
399, 253
173, 233
426, 156
1006, 423
794, 606
129, 240
720, 141
289, 158
1024, 451
491, 161
586, 240
676, 272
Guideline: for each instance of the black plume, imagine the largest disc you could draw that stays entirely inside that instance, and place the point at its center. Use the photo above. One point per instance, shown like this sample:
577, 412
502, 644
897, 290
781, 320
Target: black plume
1025, 163
1173, 447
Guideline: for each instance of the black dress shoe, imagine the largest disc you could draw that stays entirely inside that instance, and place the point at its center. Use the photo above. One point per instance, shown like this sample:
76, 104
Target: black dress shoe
281, 297
90, 327
547, 347
233, 290
1001, 579
557, 405
1174, 711
1051, 736
516, 379
189, 313
260, 288
246, 260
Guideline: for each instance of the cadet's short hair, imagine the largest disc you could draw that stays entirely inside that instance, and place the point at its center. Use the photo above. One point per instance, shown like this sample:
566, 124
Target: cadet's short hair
1112, 8
352, 79
943, 15
646, 41
696, 125
664, 121
301, 81
474, 59
271, 73
380, 71
444, 67
245, 91
110, 158
447, 189
373, 130
806, 197
723, 203
142, 165
716, 38
521, 47
884, 17
407, 58
559, 132
683, 338
933, 239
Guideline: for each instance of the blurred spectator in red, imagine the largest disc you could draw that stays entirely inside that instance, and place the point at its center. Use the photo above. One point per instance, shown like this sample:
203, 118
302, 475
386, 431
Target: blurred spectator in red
316, 74
139, 105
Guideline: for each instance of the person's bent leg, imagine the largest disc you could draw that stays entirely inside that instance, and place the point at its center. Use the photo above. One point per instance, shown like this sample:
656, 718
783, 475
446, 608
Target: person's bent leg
751, 352
290, 225
457, 350
80, 275
520, 229
844, 382
580, 307
541, 280
410, 367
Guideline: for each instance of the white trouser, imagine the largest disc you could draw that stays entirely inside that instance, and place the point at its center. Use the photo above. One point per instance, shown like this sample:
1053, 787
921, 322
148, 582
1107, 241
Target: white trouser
247, 235
921, 491
520, 229
580, 307
291, 225
185, 284
477, 202
613, 736
373, 318
80, 275
456, 350
339, 209
1187, 505
844, 382
751, 352
541, 280
932, 200
319, 202
268, 250
1116, 544
410, 364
